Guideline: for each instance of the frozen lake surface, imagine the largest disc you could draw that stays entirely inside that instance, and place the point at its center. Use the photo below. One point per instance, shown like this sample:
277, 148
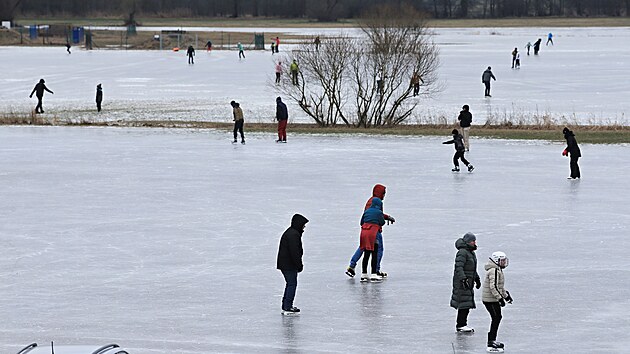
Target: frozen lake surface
581, 79
165, 241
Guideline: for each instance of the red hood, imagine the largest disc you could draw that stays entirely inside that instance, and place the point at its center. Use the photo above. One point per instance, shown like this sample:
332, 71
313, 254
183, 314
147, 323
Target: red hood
379, 191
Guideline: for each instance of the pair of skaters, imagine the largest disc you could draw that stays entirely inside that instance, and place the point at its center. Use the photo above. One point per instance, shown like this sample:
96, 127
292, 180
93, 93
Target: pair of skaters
494, 294
371, 239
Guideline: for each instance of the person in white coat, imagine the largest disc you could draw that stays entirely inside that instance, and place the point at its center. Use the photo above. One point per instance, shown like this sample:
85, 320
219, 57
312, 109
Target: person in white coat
495, 296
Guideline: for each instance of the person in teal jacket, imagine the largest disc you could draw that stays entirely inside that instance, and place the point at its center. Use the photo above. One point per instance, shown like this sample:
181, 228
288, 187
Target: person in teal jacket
240, 50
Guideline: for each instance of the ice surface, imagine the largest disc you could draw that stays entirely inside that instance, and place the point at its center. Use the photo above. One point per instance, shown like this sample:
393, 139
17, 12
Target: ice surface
164, 241
582, 78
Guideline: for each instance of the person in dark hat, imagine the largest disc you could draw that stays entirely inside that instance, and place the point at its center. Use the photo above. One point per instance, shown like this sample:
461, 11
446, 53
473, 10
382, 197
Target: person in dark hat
574, 150
289, 261
485, 79
464, 278
99, 97
238, 121
39, 92
465, 120
460, 149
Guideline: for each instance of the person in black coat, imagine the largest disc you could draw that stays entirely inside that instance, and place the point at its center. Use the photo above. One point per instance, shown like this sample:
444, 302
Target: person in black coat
190, 53
39, 92
574, 150
282, 115
99, 97
459, 151
465, 120
290, 260
537, 46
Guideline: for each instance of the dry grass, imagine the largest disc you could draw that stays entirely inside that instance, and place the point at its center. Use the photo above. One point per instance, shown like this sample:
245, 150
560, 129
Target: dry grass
596, 134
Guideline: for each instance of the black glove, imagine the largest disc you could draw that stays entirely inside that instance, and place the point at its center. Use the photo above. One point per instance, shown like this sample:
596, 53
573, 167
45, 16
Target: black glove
391, 219
466, 284
508, 298
502, 303
477, 282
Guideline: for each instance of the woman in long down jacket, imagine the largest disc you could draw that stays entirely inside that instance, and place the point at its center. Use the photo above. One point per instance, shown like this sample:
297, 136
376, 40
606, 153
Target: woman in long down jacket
494, 296
465, 274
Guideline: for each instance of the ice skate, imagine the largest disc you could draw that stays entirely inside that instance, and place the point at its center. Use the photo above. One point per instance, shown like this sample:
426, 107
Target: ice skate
495, 347
456, 169
350, 272
381, 274
465, 329
470, 168
243, 142
293, 311
364, 277
374, 277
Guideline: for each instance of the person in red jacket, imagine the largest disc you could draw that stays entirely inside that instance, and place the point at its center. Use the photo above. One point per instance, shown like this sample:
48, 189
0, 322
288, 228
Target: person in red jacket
378, 191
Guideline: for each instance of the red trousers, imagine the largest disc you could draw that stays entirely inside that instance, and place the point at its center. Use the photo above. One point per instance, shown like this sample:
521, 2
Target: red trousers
282, 130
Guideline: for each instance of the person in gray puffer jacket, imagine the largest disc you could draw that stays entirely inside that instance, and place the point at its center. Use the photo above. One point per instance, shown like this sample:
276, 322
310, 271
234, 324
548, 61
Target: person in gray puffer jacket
494, 295
464, 275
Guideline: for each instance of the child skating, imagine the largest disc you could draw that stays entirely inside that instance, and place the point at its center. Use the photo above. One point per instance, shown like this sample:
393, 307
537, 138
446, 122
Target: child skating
495, 296
460, 149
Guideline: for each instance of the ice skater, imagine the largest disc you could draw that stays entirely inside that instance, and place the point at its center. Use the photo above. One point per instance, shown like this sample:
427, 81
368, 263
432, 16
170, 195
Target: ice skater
278, 72
39, 92
537, 46
295, 70
514, 54
518, 61
317, 43
378, 191
465, 273
485, 79
277, 44
240, 50
99, 97
494, 296
528, 46
549, 39
238, 121
460, 149
415, 83
574, 150
289, 261
209, 46
371, 222
273, 47
68, 46
282, 116
190, 53
465, 121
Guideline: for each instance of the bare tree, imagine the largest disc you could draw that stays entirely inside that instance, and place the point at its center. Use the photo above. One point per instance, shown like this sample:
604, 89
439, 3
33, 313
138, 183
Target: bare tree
365, 82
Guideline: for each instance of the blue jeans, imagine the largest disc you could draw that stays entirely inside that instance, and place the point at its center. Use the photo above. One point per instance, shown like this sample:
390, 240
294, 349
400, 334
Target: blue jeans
357, 255
290, 276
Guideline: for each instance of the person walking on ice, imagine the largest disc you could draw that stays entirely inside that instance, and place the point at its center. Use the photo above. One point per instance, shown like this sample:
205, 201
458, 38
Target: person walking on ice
238, 121
465, 121
574, 150
371, 222
494, 296
459, 151
190, 53
289, 261
278, 72
282, 115
39, 92
514, 54
240, 50
549, 39
99, 97
209, 46
485, 79
528, 46
295, 69
537, 46
518, 61
464, 275
378, 191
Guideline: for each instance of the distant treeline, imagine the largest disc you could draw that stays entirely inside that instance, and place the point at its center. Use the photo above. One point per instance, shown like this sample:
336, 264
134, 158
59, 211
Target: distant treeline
323, 10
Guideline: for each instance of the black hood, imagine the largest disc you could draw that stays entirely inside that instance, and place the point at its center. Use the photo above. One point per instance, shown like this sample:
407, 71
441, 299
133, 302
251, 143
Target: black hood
567, 132
298, 221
